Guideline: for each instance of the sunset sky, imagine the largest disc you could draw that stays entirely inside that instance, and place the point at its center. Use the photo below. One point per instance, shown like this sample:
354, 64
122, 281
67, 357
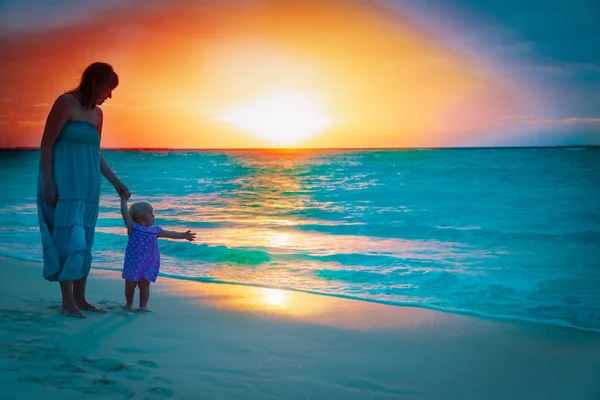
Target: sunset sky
310, 73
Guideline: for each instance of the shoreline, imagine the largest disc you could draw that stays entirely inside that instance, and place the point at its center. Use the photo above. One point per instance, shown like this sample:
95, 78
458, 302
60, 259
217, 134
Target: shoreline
470, 313
233, 341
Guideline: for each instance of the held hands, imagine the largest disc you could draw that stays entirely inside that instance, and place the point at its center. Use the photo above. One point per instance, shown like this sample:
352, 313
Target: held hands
189, 235
122, 191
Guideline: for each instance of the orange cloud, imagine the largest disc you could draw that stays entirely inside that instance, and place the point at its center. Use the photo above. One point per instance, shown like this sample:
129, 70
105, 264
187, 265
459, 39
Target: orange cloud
31, 123
566, 121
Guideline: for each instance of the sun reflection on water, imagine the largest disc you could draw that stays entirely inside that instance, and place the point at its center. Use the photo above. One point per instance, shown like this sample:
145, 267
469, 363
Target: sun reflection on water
279, 239
301, 307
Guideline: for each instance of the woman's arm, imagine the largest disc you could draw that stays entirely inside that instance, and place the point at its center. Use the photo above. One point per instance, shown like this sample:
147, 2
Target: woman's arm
108, 173
188, 235
57, 118
105, 169
126, 216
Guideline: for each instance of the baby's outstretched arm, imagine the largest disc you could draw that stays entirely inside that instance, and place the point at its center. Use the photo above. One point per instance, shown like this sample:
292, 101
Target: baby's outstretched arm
126, 217
188, 235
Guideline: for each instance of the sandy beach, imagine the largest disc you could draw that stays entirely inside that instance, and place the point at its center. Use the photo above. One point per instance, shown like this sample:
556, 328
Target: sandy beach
216, 341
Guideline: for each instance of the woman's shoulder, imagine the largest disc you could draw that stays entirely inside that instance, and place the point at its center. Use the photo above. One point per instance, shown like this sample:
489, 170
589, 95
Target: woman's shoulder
64, 101
67, 102
68, 98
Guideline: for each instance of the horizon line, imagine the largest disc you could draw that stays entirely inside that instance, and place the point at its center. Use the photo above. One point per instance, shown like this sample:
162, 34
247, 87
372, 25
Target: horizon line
17, 148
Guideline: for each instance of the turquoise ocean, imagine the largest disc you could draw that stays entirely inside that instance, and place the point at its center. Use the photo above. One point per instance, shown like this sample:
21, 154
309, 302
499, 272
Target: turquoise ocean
500, 233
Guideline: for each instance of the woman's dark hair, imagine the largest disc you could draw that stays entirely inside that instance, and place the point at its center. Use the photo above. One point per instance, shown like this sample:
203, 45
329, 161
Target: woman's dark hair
95, 77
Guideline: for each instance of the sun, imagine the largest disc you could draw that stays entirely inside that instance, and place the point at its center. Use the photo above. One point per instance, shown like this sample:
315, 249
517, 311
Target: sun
281, 118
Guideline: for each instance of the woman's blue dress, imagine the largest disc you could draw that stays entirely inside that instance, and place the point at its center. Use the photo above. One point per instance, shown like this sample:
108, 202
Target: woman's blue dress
68, 229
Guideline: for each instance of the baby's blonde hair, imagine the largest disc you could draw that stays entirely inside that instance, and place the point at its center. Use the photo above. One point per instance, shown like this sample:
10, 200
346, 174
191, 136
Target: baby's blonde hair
137, 209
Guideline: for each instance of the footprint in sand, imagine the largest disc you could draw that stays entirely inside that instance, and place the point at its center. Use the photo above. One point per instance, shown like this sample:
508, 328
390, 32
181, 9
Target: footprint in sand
103, 386
115, 308
29, 318
161, 379
102, 382
36, 357
29, 379
147, 363
73, 369
105, 364
111, 305
136, 376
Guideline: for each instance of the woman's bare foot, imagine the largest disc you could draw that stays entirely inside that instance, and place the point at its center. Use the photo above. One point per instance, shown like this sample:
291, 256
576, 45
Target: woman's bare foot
73, 313
128, 307
85, 306
143, 309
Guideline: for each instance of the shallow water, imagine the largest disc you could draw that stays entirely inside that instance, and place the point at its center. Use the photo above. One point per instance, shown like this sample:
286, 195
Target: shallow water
506, 233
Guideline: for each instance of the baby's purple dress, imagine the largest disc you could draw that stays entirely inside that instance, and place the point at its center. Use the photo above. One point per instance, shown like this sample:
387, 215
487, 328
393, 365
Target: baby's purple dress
142, 257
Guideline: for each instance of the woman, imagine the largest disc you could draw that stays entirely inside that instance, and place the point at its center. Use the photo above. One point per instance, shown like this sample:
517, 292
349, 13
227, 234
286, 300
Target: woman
68, 190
